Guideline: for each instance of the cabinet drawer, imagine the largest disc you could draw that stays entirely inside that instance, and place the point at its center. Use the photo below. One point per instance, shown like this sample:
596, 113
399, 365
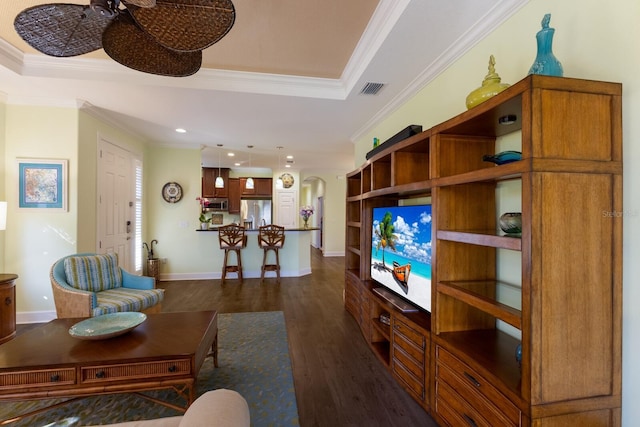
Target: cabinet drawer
401, 342
409, 333
455, 411
136, 370
477, 391
41, 378
412, 384
416, 367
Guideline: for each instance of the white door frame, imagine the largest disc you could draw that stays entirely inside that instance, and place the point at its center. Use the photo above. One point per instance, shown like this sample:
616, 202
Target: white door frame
116, 218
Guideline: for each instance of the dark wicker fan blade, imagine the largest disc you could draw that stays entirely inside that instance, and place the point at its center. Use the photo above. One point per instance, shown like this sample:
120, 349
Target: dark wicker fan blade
61, 29
127, 44
142, 3
186, 25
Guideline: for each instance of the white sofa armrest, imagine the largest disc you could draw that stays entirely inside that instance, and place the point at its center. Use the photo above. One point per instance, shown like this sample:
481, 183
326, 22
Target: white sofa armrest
216, 408
219, 408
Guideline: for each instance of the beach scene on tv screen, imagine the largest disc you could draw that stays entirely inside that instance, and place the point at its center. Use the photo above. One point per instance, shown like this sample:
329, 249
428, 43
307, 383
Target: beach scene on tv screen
401, 251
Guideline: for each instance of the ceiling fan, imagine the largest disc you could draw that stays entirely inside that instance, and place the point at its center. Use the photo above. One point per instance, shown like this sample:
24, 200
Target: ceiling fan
164, 37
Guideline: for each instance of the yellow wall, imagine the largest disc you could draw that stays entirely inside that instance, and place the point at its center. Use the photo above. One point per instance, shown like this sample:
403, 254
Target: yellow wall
36, 238
333, 187
174, 224
593, 40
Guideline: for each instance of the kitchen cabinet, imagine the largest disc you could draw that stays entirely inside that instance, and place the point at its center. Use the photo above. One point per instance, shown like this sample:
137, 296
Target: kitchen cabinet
209, 176
262, 187
234, 195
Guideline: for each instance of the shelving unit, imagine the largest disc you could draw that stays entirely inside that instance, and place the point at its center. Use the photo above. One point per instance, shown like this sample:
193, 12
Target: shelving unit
567, 317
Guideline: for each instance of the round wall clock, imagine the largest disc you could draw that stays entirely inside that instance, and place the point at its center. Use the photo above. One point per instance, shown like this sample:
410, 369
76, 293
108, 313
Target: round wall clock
172, 192
287, 180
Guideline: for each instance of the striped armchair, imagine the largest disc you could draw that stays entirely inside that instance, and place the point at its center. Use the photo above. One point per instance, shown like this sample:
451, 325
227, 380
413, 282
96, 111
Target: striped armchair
88, 285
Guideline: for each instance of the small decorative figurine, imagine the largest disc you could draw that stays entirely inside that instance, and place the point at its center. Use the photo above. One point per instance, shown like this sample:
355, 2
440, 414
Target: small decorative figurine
491, 86
546, 63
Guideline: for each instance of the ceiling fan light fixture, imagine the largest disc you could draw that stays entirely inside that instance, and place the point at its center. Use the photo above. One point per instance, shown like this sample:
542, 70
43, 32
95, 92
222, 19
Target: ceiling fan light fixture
105, 8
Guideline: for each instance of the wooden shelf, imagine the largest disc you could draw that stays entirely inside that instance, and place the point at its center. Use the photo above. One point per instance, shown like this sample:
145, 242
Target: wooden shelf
464, 291
483, 238
382, 350
382, 328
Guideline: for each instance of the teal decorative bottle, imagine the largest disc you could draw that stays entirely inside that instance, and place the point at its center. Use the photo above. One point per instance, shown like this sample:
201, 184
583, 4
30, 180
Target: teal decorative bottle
546, 63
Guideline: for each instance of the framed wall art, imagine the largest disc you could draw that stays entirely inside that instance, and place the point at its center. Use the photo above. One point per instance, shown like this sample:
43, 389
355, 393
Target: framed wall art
42, 184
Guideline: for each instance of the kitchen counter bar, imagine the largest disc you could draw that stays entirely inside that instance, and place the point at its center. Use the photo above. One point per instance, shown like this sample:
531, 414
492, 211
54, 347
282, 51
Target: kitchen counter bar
253, 230
295, 256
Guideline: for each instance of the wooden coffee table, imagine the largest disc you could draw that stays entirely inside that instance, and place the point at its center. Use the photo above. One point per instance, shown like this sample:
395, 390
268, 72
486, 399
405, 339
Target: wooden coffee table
165, 352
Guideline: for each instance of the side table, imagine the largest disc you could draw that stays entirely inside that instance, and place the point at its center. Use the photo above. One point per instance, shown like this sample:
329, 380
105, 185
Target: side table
7, 307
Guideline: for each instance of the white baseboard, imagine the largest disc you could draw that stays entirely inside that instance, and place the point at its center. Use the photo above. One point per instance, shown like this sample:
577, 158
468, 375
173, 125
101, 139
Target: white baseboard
246, 274
332, 254
35, 316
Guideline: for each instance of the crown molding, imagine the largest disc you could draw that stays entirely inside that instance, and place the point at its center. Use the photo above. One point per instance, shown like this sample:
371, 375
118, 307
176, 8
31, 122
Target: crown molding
37, 65
11, 57
491, 20
97, 113
41, 101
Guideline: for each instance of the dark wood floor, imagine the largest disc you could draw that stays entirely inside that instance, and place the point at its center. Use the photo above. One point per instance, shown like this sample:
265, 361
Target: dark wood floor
338, 380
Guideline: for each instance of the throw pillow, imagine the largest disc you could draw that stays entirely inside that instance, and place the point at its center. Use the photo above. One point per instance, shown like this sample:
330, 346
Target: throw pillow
93, 273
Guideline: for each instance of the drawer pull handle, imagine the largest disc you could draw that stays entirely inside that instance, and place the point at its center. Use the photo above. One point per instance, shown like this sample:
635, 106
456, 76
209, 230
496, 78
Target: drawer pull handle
100, 374
173, 368
472, 379
55, 378
470, 420
7, 301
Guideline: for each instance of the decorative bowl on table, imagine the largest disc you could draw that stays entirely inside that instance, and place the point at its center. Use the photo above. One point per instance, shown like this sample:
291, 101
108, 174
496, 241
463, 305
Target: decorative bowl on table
107, 325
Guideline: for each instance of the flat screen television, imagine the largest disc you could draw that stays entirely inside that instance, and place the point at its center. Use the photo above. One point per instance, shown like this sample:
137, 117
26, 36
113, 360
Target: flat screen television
401, 253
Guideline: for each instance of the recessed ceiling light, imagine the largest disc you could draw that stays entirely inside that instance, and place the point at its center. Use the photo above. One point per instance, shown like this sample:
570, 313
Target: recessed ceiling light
236, 164
180, 130
287, 166
230, 154
289, 156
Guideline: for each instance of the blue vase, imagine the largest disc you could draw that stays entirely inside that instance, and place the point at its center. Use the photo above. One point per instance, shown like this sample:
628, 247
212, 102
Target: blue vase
546, 63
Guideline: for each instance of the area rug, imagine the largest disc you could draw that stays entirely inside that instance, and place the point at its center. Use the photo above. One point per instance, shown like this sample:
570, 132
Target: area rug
253, 360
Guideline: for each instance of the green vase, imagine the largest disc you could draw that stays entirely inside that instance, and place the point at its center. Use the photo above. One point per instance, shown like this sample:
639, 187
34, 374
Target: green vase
491, 86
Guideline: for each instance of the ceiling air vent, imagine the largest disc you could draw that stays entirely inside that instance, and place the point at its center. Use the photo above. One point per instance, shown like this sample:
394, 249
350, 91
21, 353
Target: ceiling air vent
371, 88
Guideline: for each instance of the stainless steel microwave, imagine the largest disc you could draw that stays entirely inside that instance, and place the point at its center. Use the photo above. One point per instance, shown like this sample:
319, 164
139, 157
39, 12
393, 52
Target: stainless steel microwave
217, 205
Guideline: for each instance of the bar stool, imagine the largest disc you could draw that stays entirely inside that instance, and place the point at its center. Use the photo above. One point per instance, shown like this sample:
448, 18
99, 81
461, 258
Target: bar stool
232, 239
270, 238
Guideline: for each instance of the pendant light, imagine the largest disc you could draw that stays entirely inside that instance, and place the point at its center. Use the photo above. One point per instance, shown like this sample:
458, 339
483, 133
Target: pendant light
219, 181
279, 183
249, 185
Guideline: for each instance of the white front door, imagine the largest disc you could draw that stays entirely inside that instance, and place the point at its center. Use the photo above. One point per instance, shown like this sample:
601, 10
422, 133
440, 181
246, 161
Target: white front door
116, 186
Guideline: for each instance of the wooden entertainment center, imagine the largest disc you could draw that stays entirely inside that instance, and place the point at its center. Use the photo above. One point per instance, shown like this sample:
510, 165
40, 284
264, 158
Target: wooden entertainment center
459, 360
